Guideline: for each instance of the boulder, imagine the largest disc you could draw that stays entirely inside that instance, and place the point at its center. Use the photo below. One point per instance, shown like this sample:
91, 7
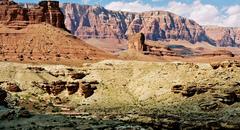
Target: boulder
215, 65
87, 88
23, 113
72, 87
208, 106
226, 98
36, 69
13, 87
189, 90
177, 88
78, 75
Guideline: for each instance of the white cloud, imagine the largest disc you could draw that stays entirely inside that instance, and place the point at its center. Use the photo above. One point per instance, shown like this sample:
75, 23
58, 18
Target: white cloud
204, 14
233, 13
156, 0
134, 6
85, 1
234, 9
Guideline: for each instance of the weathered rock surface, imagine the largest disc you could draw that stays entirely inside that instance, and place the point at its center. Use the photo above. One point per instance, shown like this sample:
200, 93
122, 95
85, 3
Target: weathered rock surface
78, 75
93, 21
224, 36
13, 87
137, 42
72, 87
16, 16
54, 88
87, 88
97, 22
175, 49
227, 40
189, 90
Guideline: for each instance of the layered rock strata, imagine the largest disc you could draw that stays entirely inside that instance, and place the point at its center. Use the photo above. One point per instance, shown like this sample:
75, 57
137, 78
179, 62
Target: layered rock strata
93, 21
17, 16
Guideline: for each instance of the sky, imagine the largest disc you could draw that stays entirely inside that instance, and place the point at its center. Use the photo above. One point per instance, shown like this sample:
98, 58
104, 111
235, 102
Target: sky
205, 12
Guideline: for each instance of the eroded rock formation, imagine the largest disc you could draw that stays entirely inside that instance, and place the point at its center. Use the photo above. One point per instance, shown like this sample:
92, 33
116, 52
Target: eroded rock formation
13, 87
137, 42
224, 36
16, 16
97, 22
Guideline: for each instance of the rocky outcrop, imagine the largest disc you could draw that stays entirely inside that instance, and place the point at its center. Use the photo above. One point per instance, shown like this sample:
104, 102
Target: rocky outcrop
224, 36
3, 95
78, 75
55, 87
16, 16
189, 90
227, 40
87, 88
72, 87
97, 22
137, 42
13, 87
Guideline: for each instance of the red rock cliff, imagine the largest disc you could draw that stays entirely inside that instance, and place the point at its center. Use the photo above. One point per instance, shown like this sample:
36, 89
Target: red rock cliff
97, 22
14, 15
224, 36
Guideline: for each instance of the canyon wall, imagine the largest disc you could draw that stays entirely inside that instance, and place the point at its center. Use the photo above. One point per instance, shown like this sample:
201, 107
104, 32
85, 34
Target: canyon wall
224, 36
97, 22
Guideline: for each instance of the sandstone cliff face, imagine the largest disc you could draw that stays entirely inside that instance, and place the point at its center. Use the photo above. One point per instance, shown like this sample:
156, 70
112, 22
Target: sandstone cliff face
224, 36
14, 15
137, 42
94, 21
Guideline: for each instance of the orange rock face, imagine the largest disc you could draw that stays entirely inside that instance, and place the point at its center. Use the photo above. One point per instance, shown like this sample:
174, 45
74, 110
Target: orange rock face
16, 16
137, 42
